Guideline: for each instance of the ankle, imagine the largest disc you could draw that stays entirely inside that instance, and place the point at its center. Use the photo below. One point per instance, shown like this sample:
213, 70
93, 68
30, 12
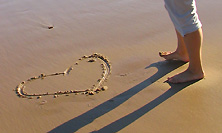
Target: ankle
196, 71
182, 53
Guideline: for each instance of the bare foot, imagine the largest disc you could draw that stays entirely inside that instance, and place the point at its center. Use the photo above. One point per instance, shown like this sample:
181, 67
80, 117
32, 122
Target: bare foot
186, 76
174, 56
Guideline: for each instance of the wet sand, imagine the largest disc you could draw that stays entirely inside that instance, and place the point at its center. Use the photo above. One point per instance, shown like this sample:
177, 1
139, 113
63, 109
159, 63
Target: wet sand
48, 36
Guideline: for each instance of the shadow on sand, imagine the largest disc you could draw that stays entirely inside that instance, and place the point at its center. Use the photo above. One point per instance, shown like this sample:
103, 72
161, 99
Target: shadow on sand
164, 67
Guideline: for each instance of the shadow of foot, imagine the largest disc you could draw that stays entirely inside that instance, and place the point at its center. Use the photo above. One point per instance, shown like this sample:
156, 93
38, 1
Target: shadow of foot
129, 119
164, 67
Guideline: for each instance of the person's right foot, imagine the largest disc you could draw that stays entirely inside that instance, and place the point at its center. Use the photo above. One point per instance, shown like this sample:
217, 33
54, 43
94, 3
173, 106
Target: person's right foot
186, 76
174, 56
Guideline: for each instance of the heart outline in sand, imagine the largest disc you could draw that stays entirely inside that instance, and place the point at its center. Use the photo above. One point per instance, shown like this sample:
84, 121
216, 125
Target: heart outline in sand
105, 65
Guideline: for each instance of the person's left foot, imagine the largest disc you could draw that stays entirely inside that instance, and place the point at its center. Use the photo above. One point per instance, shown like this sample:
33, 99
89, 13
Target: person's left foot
174, 56
186, 76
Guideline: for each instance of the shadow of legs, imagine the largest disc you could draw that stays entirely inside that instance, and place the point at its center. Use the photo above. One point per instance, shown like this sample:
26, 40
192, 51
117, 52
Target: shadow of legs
127, 120
78, 122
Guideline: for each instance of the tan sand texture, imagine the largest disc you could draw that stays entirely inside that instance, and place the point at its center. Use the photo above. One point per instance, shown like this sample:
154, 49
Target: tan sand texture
47, 36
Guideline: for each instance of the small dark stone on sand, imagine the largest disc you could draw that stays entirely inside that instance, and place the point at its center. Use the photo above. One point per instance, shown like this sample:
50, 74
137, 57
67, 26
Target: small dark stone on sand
50, 27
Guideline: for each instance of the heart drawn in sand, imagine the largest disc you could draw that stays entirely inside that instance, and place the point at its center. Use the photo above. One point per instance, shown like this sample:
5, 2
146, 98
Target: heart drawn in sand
106, 71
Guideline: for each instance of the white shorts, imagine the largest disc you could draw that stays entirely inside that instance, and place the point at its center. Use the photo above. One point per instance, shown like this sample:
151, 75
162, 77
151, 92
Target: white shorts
183, 14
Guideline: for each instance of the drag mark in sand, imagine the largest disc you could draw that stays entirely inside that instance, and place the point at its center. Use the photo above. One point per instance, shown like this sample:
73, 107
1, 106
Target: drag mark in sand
105, 65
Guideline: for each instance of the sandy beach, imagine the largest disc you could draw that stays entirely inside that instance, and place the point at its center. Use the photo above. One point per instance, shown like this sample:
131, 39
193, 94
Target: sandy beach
48, 36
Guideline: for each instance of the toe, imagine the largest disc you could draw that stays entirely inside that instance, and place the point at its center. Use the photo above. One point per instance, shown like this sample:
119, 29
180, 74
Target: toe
173, 80
161, 54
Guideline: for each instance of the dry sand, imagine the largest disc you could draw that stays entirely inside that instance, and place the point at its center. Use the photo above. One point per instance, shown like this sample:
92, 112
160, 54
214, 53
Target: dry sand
130, 33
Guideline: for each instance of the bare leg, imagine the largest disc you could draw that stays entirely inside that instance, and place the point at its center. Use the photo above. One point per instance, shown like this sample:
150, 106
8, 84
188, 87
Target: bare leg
193, 42
180, 53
